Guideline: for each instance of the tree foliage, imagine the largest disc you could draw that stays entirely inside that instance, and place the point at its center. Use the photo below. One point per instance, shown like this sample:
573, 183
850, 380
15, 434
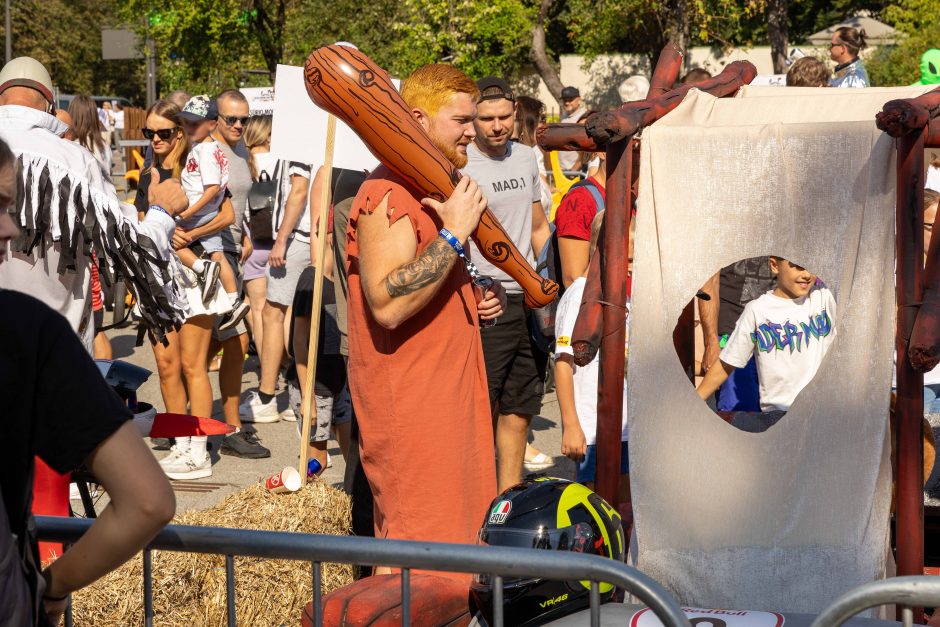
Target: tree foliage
646, 25
46, 30
919, 20
481, 37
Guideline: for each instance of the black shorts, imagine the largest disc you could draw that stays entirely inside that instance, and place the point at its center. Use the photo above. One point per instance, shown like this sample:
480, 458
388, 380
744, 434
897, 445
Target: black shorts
515, 367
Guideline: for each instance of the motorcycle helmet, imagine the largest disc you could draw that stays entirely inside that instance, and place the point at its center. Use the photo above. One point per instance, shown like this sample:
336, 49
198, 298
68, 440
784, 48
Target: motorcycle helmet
555, 515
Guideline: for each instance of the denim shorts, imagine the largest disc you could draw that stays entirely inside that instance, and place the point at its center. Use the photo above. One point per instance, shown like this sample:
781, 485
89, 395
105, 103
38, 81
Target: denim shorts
211, 243
587, 469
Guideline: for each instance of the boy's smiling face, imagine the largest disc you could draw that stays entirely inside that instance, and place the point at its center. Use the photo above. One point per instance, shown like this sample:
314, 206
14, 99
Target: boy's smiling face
792, 281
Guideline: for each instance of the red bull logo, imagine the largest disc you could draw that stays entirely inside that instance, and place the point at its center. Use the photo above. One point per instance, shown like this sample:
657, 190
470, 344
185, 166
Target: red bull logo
499, 513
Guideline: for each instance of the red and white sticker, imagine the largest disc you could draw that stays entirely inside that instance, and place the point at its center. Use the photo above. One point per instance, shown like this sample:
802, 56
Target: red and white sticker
499, 512
700, 617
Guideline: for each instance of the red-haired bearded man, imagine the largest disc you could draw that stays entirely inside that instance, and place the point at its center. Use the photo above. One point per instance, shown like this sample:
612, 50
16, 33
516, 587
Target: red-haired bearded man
416, 368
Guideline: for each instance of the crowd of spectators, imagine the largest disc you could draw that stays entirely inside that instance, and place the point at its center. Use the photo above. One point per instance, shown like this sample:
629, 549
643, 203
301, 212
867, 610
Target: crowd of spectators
240, 224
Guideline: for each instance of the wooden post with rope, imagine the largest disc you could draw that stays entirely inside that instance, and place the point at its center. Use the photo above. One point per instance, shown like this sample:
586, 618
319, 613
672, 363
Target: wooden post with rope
313, 345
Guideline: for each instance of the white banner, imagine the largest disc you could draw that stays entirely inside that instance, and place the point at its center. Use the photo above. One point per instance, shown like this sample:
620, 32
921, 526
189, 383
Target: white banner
260, 100
299, 131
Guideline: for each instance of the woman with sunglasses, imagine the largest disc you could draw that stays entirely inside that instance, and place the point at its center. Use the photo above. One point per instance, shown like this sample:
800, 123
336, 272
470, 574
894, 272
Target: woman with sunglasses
844, 47
185, 351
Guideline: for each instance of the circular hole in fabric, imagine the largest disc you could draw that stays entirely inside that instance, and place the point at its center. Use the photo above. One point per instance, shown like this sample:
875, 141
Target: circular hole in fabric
774, 321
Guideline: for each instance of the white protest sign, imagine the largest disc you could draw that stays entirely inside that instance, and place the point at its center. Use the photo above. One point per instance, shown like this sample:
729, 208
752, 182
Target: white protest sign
260, 100
299, 129
700, 617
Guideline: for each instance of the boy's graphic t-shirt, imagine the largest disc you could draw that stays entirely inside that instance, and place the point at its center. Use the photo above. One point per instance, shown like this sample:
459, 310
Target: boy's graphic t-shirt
586, 377
788, 338
206, 165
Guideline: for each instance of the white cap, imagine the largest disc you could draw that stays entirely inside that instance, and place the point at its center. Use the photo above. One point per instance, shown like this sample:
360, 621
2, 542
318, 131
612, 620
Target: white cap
26, 72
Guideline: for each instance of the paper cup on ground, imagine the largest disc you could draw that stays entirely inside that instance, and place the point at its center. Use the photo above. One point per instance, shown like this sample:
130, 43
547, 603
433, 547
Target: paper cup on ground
288, 480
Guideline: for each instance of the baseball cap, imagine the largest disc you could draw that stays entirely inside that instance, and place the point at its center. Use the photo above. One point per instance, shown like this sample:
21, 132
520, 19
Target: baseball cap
494, 88
570, 92
200, 108
26, 72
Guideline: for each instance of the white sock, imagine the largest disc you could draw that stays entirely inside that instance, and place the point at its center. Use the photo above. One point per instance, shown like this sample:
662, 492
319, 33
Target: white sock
182, 444
197, 447
199, 265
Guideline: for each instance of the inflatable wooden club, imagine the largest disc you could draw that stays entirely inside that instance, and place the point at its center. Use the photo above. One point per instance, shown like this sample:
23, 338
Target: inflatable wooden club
349, 85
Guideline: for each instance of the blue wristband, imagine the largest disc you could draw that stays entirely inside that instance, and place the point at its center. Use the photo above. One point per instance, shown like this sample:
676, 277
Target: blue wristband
159, 208
450, 239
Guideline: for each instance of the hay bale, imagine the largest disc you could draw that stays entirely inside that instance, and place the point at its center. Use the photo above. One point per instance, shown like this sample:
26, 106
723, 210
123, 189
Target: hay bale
189, 589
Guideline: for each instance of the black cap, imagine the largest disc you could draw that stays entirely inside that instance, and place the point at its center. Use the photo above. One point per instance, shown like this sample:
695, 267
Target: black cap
494, 88
570, 92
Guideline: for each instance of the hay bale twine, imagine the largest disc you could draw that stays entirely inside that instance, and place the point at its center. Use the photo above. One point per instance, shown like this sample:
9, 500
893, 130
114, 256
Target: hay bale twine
189, 588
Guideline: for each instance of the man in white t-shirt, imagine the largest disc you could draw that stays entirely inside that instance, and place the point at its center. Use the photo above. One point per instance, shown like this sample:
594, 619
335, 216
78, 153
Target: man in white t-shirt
576, 387
788, 330
290, 254
508, 174
573, 105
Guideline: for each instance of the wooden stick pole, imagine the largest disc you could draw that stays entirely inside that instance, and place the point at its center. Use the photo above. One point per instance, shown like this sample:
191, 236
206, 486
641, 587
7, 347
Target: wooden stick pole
314, 343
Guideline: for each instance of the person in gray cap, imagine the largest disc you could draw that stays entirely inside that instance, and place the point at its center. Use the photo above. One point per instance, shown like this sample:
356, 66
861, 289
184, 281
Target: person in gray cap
573, 105
65, 208
508, 174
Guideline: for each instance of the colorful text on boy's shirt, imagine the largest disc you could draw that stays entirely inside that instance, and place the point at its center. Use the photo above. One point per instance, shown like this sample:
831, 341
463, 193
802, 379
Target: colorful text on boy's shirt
773, 335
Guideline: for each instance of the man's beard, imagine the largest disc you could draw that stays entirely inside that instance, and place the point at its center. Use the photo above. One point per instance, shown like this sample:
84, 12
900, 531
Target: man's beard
458, 159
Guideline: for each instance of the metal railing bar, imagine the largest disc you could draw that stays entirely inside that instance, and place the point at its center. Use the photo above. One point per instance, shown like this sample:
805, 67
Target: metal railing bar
230, 589
317, 595
68, 613
498, 600
148, 588
505, 562
405, 597
905, 591
907, 616
595, 604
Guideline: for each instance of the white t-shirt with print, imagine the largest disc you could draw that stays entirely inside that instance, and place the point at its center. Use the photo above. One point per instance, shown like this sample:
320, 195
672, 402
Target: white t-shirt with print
789, 339
585, 377
206, 165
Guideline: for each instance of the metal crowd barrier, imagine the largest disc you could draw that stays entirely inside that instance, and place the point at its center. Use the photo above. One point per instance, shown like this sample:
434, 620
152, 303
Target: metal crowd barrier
906, 592
498, 561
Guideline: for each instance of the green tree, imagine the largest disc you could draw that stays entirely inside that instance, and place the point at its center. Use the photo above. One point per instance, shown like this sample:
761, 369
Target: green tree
46, 30
647, 25
480, 37
899, 64
201, 45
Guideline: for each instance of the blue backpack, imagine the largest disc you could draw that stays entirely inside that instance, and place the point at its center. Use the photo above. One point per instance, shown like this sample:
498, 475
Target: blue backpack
548, 265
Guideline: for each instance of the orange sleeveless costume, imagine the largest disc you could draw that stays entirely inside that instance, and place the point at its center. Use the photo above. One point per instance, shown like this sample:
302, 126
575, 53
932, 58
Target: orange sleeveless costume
420, 393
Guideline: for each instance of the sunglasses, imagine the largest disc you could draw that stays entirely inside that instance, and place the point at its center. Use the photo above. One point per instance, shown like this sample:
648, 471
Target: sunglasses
232, 120
164, 133
831, 45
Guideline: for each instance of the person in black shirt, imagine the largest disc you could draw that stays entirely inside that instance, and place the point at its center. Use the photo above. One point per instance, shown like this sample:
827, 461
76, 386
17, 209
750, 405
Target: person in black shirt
736, 285
59, 408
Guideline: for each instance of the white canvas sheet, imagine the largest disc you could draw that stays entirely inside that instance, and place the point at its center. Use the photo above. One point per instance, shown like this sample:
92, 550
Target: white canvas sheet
787, 519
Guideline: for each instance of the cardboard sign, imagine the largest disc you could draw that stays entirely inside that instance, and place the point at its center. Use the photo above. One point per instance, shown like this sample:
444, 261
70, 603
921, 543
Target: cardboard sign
260, 100
700, 617
299, 130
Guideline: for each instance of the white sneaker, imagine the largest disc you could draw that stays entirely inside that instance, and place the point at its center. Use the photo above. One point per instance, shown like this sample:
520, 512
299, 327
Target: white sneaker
253, 410
185, 467
173, 455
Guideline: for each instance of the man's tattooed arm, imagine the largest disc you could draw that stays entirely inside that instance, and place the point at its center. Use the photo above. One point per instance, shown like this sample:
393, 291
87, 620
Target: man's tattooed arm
430, 266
